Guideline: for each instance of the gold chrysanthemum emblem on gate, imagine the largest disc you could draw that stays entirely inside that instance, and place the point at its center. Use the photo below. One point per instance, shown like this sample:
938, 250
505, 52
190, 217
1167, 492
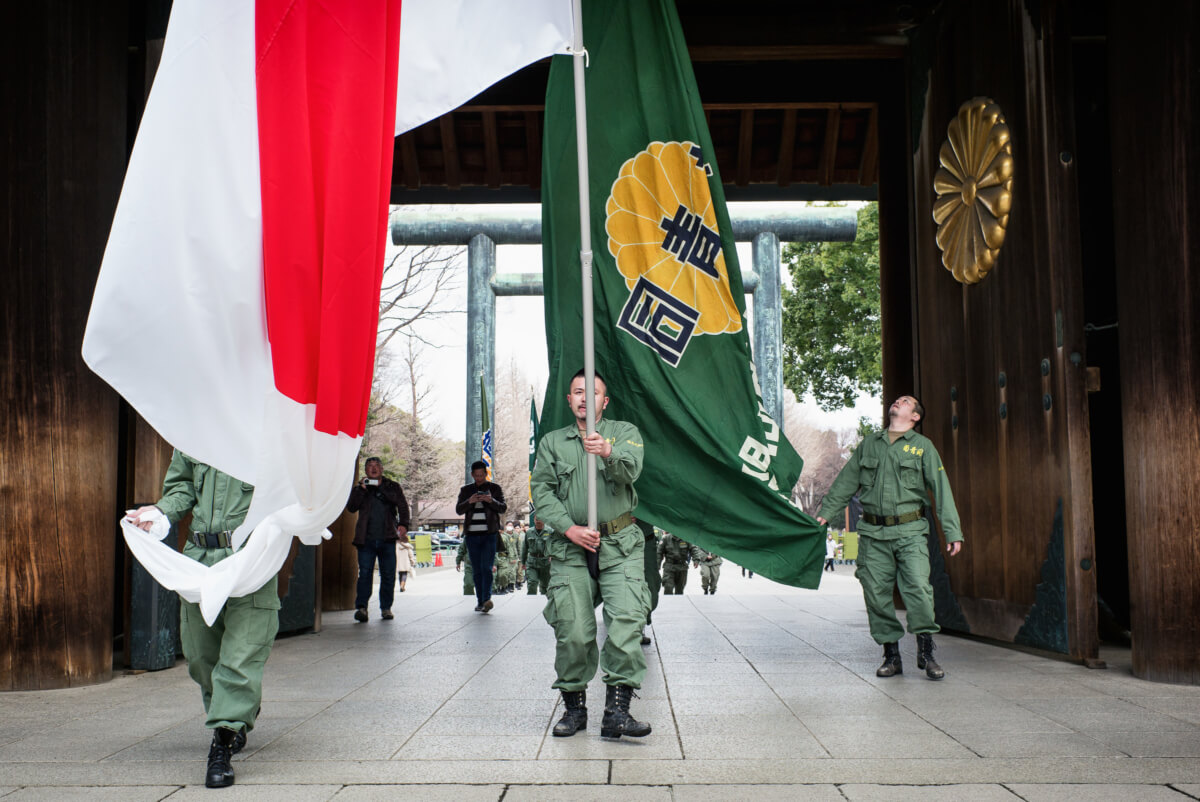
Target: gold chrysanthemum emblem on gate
974, 189
662, 232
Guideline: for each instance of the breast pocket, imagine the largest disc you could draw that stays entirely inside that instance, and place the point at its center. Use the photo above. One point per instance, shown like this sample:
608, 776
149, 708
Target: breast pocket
910, 474
868, 469
564, 476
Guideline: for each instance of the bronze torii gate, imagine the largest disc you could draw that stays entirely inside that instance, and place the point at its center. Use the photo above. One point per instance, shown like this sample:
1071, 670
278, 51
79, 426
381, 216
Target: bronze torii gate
482, 231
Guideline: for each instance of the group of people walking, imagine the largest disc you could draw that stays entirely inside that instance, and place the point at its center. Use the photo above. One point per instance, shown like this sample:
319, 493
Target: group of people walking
674, 556
616, 564
523, 562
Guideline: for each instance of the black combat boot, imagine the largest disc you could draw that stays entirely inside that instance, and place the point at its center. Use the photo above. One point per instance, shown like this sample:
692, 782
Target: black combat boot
220, 769
574, 717
891, 661
617, 721
925, 657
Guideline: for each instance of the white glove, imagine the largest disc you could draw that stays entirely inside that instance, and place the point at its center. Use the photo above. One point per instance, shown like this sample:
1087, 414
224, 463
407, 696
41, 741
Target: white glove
159, 525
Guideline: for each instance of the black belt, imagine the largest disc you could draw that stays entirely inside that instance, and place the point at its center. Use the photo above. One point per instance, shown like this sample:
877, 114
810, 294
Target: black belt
213, 540
893, 520
615, 525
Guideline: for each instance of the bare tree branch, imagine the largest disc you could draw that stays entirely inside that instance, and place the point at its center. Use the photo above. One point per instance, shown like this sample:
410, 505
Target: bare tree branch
415, 280
510, 437
824, 452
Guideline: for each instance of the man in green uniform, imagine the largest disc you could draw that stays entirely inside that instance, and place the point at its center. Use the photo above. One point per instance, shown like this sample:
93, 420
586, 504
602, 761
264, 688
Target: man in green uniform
893, 473
465, 558
505, 575
519, 540
674, 554
535, 558
227, 659
513, 538
650, 563
617, 574
710, 570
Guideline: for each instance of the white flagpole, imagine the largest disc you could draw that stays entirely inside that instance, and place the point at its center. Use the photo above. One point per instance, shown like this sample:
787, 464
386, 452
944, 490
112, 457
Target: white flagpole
585, 257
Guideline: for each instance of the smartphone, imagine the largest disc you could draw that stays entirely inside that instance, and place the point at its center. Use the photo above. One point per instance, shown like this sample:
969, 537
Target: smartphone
371, 482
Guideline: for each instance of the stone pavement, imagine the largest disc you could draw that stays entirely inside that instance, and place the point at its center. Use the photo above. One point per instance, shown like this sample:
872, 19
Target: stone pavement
761, 692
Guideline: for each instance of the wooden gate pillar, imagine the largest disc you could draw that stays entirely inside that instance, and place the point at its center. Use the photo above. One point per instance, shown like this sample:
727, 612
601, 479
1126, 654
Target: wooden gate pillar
65, 97
1155, 137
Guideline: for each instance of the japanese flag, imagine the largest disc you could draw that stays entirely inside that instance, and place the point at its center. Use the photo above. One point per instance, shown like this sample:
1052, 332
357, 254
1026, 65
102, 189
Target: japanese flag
237, 303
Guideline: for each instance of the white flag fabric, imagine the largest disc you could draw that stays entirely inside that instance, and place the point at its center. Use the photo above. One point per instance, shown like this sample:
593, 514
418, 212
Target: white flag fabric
237, 302
451, 50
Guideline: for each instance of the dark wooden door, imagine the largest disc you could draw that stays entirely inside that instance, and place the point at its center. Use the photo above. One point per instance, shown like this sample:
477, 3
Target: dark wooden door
1000, 365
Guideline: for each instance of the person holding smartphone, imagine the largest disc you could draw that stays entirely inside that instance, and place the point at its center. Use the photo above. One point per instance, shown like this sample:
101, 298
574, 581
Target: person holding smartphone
481, 503
382, 517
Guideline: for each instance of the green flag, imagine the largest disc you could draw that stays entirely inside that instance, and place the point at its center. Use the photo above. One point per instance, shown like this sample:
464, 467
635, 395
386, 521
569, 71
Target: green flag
670, 334
533, 440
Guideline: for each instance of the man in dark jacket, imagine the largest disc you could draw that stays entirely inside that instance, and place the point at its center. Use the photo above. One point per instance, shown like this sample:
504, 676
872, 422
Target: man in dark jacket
481, 503
382, 515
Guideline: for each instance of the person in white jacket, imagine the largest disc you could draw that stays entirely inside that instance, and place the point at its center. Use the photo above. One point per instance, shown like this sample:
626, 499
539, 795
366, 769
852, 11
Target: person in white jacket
406, 559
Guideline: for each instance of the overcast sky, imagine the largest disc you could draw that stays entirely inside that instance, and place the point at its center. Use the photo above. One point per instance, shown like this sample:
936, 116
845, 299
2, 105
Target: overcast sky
521, 338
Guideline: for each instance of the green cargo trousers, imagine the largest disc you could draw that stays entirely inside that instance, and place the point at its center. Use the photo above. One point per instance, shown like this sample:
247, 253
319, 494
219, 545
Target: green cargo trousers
674, 577
468, 579
227, 659
709, 574
571, 609
653, 580
505, 575
537, 577
903, 563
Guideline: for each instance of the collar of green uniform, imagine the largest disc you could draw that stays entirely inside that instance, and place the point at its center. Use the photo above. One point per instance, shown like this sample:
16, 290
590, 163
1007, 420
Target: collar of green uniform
575, 432
908, 435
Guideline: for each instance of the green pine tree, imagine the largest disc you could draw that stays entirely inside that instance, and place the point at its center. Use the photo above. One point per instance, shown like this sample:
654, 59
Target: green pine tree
832, 344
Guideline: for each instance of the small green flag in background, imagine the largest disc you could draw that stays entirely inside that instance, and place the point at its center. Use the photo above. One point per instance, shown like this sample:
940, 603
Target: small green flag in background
533, 441
669, 305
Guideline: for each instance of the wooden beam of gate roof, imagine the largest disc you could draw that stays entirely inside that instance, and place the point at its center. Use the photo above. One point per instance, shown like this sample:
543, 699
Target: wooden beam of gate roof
408, 160
721, 106
491, 150
794, 130
706, 53
833, 126
787, 147
533, 149
785, 104
869, 165
745, 150
450, 152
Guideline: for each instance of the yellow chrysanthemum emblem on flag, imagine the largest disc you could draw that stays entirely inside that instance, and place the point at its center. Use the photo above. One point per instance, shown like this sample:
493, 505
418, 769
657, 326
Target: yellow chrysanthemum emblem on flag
662, 232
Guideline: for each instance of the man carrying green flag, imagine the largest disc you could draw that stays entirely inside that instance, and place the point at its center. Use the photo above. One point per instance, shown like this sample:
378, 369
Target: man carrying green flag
669, 309
593, 565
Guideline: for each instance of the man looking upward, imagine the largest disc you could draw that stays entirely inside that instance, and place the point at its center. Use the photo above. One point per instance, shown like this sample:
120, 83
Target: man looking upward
559, 488
893, 473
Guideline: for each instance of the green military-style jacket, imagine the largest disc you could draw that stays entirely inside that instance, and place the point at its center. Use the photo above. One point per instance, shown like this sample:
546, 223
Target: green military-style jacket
674, 551
893, 479
708, 558
559, 488
218, 502
462, 556
535, 550
512, 547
